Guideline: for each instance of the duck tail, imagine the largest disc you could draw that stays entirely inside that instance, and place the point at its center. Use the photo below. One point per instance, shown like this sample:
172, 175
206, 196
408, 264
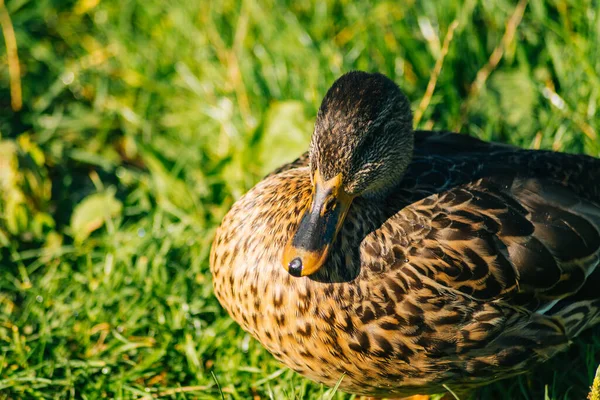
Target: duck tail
580, 311
578, 316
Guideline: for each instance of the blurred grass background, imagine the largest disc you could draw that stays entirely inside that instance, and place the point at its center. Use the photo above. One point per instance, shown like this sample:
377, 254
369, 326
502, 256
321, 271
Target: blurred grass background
142, 122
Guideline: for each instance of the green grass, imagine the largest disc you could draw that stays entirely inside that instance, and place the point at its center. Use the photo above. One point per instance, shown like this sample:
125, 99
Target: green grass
143, 121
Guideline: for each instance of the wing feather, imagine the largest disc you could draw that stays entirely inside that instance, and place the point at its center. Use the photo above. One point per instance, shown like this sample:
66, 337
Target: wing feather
526, 242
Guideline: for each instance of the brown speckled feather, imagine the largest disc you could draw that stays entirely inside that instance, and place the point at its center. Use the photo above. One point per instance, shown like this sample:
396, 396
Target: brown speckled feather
480, 264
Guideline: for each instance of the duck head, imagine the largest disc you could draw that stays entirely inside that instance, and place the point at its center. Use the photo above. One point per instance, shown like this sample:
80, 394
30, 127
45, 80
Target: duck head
361, 146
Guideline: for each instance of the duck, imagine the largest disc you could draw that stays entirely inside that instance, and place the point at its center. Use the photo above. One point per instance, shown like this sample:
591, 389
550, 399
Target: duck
396, 262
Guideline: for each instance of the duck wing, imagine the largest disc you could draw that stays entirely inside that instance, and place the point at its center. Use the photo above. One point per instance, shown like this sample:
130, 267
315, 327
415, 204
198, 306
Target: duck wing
531, 243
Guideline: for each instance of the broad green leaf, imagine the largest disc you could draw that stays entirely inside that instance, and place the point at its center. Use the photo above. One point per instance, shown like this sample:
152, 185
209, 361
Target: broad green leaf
286, 134
92, 213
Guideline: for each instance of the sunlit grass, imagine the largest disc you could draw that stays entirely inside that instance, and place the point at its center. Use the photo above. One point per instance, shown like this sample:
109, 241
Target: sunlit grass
143, 121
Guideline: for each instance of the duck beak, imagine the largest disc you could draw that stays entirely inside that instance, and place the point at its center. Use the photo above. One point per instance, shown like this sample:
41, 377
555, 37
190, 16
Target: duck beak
307, 250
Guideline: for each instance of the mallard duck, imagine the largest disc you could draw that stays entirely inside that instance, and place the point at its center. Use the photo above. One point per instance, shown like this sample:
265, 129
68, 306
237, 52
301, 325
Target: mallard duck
401, 262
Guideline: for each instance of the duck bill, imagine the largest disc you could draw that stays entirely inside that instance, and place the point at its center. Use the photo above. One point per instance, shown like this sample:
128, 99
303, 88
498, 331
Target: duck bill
308, 249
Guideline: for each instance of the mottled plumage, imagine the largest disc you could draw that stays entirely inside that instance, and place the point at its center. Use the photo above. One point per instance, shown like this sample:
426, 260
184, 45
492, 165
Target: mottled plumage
479, 263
